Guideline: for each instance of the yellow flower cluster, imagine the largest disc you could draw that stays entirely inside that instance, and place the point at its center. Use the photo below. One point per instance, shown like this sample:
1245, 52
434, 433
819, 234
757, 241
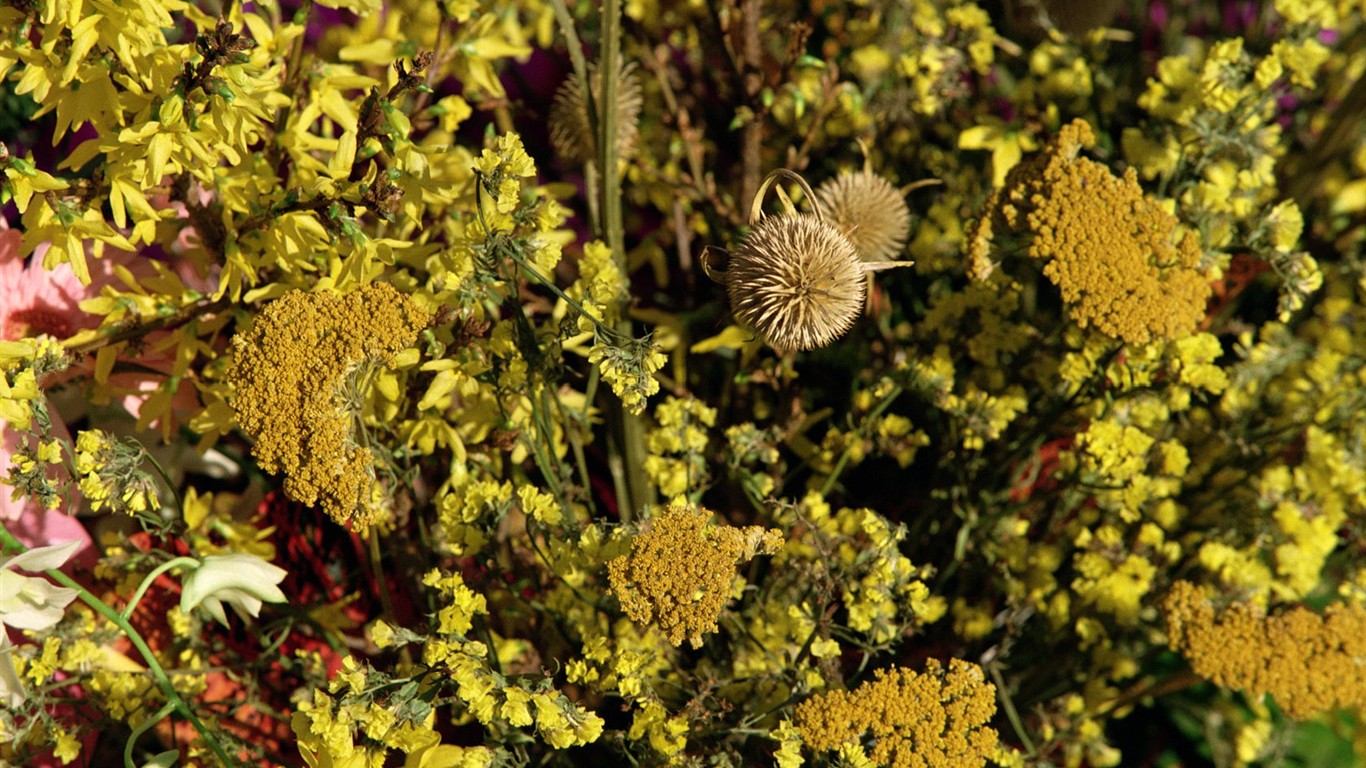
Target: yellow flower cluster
503, 167
1309, 662
1116, 256
361, 734
628, 367
599, 287
882, 592
680, 572
298, 386
934, 719
676, 464
111, 476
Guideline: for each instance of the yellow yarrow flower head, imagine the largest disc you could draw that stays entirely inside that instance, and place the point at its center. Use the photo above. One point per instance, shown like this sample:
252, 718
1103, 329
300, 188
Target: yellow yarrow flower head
1309, 662
299, 375
680, 571
936, 719
1115, 255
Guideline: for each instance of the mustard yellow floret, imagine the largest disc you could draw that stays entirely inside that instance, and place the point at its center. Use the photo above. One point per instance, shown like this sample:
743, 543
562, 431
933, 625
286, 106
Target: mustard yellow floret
290, 379
1309, 662
1116, 256
680, 571
934, 719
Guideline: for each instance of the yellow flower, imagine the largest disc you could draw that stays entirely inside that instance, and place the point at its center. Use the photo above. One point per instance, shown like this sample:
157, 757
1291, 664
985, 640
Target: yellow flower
936, 719
298, 373
1309, 662
1115, 255
680, 571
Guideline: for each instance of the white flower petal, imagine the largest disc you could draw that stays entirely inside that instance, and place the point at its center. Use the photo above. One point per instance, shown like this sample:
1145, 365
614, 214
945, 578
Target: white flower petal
31, 602
243, 581
43, 558
11, 687
215, 609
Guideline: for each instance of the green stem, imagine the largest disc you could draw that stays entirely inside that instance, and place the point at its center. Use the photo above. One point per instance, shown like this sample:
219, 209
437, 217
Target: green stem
607, 131
848, 451
639, 492
153, 665
1009, 706
574, 429
151, 577
141, 729
555, 289
165, 478
571, 39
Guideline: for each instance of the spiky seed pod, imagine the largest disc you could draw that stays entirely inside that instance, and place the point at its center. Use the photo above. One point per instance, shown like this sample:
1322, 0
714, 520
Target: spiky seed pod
869, 211
796, 281
570, 129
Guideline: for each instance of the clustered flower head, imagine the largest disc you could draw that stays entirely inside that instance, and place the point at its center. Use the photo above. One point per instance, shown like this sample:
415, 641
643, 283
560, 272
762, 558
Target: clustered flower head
628, 366
680, 572
1309, 662
868, 210
570, 129
292, 372
932, 719
797, 279
1115, 255
111, 474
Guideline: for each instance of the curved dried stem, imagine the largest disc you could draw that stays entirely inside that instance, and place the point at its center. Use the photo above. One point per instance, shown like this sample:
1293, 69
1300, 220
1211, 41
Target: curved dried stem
714, 275
756, 207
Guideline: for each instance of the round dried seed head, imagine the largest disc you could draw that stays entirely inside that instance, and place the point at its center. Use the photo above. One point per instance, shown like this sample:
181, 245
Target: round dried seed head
571, 131
796, 281
869, 211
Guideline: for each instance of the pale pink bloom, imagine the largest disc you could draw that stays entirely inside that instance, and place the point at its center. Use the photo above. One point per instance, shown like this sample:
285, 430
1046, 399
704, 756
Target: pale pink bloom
158, 349
36, 301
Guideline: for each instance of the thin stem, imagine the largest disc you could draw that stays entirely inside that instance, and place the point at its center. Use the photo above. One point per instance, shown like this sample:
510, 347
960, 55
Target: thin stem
639, 492
165, 478
572, 430
607, 132
151, 577
571, 39
848, 451
1009, 706
751, 56
555, 289
146, 725
376, 564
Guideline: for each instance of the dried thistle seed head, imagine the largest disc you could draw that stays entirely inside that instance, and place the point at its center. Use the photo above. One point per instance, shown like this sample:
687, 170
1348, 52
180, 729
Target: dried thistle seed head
796, 281
869, 211
570, 129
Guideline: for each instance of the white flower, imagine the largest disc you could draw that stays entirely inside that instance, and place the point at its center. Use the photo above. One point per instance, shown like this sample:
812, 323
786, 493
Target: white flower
240, 580
33, 602
29, 602
11, 687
